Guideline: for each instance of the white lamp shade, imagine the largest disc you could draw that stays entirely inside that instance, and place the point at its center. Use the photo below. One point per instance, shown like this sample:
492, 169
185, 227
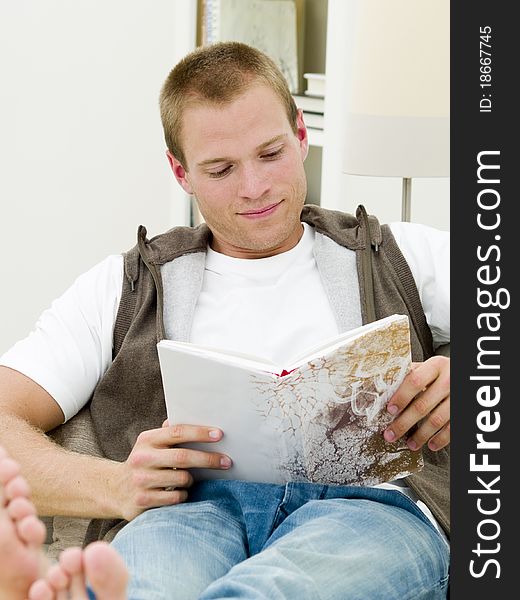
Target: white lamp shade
397, 113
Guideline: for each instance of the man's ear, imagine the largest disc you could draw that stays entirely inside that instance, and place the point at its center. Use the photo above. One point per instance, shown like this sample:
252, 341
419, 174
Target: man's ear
181, 175
301, 134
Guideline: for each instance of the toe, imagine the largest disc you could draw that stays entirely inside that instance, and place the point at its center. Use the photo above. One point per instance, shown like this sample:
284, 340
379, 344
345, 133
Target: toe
41, 590
106, 571
19, 508
57, 578
71, 560
31, 530
17, 487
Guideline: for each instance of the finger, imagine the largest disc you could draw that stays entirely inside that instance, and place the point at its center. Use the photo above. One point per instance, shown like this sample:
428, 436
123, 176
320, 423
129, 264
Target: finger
155, 498
162, 478
421, 406
186, 458
178, 458
422, 375
430, 426
179, 434
441, 439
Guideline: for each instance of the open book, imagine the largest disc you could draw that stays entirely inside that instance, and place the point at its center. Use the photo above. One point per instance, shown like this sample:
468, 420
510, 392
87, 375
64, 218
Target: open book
318, 418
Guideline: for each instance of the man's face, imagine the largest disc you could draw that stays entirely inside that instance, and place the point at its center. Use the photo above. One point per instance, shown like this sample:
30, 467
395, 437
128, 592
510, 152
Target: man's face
244, 165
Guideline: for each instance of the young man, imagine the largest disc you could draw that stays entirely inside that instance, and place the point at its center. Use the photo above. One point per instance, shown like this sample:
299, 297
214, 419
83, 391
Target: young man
262, 275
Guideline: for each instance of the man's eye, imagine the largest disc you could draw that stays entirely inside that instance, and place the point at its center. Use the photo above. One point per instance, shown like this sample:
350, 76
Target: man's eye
273, 154
221, 173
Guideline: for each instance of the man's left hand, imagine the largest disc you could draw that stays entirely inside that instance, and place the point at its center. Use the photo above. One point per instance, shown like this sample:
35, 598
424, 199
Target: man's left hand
423, 399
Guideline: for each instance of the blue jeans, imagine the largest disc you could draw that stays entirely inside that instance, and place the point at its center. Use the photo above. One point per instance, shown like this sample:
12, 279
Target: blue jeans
298, 541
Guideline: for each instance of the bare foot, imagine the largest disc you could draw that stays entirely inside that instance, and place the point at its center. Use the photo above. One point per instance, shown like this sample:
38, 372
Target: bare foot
99, 565
22, 564
21, 533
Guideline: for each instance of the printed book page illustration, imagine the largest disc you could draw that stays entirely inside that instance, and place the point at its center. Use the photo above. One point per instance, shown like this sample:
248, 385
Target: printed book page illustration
322, 422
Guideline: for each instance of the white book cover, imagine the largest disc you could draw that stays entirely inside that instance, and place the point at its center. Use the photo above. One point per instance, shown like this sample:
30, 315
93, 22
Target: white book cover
319, 418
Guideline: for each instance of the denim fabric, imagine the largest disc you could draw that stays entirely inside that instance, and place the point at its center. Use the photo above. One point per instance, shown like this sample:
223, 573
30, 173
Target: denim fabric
297, 541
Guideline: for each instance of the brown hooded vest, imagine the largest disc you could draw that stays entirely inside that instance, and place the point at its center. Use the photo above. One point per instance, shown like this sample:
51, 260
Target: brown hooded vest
129, 397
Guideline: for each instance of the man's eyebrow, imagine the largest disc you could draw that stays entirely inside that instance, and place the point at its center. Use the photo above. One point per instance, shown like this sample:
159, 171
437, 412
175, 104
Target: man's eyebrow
274, 139
219, 159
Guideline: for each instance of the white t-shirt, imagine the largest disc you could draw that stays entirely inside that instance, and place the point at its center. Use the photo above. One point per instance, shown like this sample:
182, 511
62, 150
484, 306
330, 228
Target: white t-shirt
273, 308
71, 346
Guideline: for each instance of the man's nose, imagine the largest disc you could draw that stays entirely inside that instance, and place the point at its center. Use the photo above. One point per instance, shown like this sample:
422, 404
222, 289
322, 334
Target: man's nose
254, 182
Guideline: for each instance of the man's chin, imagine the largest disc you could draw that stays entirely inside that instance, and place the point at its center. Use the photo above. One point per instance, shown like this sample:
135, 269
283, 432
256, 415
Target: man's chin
247, 247
265, 246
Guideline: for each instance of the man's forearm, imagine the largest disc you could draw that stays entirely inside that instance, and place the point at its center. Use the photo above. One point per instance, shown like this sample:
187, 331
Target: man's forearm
62, 482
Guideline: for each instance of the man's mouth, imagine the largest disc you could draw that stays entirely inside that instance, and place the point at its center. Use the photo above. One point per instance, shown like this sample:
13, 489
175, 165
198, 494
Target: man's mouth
261, 212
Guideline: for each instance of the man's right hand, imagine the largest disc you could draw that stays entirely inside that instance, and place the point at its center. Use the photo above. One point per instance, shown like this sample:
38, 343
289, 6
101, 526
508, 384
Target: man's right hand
156, 471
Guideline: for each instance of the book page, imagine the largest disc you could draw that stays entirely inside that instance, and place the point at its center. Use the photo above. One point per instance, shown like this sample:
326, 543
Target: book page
239, 359
340, 340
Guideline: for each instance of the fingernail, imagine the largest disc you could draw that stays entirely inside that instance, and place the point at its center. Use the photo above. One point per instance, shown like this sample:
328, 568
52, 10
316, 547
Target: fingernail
432, 445
412, 444
392, 409
214, 434
389, 435
225, 462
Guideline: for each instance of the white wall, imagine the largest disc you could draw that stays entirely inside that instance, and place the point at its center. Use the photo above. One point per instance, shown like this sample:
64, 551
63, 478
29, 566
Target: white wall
82, 159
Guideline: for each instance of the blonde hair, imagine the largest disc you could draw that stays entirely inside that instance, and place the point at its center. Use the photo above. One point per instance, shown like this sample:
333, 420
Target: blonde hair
217, 74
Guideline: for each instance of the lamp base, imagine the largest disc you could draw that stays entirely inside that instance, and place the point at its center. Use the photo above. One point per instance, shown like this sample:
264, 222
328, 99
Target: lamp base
406, 202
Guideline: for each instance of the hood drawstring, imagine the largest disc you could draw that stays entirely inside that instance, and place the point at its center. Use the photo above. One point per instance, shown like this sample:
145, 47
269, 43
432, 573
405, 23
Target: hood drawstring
366, 261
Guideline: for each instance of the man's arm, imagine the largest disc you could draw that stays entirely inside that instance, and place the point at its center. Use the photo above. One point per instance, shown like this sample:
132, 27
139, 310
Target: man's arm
71, 484
62, 482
